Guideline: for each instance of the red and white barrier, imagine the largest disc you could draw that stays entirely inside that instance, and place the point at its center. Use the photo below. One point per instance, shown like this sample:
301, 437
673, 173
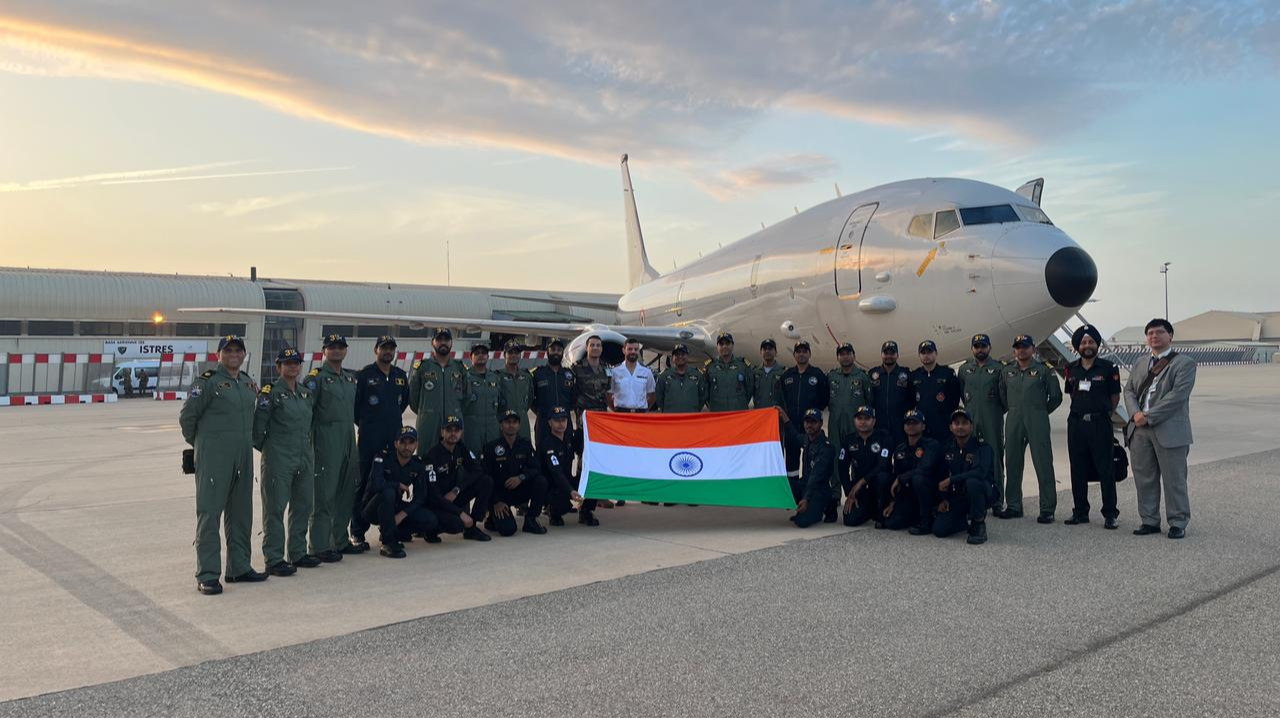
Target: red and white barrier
55, 358
83, 399
169, 395
189, 357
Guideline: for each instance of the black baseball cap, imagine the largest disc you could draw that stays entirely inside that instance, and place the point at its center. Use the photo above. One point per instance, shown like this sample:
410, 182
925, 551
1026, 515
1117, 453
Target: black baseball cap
445, 333
980, 339
913, 416
865, 410
1023, 341
813, 414
928, 346
407, 431
680, 348
452, 421
288, 355
508, 415
384, 340
511, 346
724, 337
961, 412
768, 343
334, 340
845, 347
558, 413
889, 346
230, 340
802, 345
479, 347
556, 342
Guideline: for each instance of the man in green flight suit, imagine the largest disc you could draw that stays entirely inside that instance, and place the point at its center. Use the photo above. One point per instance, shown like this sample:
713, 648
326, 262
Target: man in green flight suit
333, 427
1030, 391
680, 388
436, 387
217, 420
480, 403
850, 388
981, 378
516, 386
766, 378
282, 431
730, 382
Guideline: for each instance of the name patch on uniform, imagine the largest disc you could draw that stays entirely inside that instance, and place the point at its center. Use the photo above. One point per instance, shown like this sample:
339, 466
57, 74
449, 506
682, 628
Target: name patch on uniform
225, 385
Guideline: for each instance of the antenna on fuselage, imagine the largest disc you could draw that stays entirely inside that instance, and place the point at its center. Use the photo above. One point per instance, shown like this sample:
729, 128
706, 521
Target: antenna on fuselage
796, 208
838, 193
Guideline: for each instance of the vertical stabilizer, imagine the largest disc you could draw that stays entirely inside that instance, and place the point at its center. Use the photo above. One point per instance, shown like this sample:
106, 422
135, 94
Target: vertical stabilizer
639, 271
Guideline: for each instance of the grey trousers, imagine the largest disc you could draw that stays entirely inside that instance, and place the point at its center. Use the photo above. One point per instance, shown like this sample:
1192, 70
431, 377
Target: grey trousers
1155, 466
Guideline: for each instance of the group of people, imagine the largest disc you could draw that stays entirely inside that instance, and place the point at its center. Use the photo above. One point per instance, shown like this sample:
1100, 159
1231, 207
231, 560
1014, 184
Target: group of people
336, 459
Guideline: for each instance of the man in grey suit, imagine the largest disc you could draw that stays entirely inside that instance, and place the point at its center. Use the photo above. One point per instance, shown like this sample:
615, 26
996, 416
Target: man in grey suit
1157, 395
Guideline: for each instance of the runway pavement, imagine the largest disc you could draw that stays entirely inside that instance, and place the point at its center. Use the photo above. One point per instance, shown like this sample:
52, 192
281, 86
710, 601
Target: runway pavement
659, 611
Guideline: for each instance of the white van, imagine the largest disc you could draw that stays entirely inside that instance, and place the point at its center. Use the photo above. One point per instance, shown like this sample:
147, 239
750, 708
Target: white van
159, 376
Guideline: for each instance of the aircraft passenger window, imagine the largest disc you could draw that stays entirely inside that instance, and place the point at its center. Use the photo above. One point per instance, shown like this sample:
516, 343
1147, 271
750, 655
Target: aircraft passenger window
988, 215
1033, 214
921, 226
947, 221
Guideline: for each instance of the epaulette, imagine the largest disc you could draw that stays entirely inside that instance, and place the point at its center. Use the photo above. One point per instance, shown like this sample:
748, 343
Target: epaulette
746, 362
708, 363
417, 363
314, 372
266, 389
208, 374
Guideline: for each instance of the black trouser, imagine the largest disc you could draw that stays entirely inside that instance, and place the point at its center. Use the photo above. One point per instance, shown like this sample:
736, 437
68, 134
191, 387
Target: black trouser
559, 502
968, 505
382, 508
1089, 447
927, 497
792, 451
906, 509
473, 497
532, 491
369, 443
865, 505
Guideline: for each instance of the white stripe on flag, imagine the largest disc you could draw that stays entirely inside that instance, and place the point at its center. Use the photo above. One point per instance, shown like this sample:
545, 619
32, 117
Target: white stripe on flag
729, 462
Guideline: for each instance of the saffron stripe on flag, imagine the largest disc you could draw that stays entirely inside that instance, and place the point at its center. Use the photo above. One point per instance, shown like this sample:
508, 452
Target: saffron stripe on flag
684, 430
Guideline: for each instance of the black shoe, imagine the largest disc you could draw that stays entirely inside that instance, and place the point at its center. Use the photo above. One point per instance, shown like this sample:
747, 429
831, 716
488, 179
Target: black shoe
521, 511
250, 576
1147, 530
1009, 514
829, 516
531, 526
646, 502
1177, 533
588, 518
282, 569
1076, 520
620, 503
557, 521
209, 587
1110, 524
431, 538
879, 525
1045, 518
919, 530
489, 524
475, 533
355, 548
306, 561
330, 556
977, 533
668, 504
392, 551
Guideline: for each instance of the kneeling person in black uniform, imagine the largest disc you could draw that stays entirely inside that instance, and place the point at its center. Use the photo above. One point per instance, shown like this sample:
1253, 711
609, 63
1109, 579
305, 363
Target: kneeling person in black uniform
916, 462
451, 465
510, 461
395, 494
817, 462
864, 464
557, 452
969, 486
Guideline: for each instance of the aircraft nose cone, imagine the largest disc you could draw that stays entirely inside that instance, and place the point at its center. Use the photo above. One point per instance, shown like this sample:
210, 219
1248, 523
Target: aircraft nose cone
1071, 276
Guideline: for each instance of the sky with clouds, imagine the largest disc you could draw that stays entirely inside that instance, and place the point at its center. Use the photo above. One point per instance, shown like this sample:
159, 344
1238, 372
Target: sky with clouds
354, 141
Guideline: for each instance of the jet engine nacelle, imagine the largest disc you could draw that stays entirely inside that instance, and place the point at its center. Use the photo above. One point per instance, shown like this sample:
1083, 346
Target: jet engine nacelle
613, 342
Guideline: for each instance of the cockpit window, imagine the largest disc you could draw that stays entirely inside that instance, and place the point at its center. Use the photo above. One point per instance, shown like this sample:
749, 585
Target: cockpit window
988, 215
1033, 214
947, 221
921, 226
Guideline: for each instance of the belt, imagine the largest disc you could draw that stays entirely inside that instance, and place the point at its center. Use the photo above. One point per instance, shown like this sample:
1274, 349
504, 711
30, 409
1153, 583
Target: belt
631, 410
1091, 417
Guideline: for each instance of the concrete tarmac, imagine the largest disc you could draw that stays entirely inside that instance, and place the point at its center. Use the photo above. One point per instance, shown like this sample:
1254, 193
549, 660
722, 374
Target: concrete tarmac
658, 611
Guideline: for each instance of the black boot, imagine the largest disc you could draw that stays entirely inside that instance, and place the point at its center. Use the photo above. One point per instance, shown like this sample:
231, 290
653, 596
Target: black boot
977, 533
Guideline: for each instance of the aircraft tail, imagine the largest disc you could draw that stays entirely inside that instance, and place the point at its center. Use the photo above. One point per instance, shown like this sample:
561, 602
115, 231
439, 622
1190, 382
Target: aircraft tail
639, 271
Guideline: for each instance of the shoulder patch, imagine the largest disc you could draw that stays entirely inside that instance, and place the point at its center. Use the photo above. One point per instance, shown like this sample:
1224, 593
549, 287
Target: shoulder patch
208, 374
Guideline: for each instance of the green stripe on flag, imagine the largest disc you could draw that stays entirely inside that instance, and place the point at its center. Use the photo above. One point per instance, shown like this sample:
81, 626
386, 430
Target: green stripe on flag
761, 492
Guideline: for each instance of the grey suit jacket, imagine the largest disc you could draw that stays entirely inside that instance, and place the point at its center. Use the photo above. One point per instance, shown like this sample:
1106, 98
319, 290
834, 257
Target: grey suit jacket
1170, 412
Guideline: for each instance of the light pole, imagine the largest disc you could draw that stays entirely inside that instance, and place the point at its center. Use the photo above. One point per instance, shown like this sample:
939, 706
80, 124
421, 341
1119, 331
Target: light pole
1164, 270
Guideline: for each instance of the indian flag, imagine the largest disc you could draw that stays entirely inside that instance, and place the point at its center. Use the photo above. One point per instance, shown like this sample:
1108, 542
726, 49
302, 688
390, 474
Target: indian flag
731, 458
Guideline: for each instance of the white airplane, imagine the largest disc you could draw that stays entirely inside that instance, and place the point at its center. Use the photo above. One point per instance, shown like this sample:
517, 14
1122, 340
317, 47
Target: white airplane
927, 259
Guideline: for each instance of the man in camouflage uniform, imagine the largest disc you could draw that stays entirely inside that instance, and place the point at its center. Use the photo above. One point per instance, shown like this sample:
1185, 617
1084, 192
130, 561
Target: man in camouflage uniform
282, 431
980, 380
217, 420
1031, 392
480, 404
730, 382
333, 423
681, 389
515, 387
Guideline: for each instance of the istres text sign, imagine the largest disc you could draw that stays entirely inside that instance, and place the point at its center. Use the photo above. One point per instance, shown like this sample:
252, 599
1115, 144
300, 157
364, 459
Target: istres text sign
152, 347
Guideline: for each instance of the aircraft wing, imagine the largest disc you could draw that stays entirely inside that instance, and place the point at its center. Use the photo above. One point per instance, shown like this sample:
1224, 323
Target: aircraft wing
660, 338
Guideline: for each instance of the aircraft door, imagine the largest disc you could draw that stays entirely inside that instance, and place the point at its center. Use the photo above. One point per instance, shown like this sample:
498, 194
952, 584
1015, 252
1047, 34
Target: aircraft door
848, 250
